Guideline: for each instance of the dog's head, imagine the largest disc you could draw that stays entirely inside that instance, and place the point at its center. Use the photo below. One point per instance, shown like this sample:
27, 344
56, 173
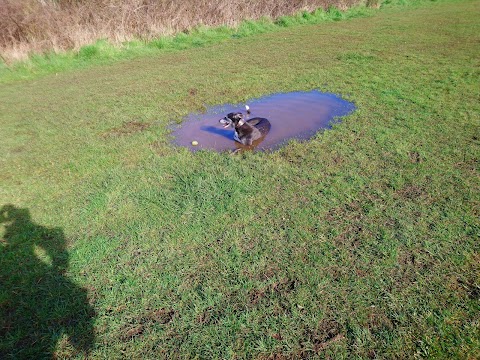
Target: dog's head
232, 120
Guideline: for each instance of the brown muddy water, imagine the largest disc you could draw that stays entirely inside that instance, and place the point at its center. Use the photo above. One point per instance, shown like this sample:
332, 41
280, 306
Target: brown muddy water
294, 115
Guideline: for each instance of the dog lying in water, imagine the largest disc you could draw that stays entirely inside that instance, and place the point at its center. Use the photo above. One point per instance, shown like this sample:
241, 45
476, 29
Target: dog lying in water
246, 131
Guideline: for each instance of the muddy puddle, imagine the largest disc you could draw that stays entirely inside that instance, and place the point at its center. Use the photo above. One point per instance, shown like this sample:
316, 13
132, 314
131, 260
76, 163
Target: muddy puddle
294, 115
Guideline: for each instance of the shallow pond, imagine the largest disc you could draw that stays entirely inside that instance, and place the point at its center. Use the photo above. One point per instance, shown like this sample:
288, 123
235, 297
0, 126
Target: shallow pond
294, 115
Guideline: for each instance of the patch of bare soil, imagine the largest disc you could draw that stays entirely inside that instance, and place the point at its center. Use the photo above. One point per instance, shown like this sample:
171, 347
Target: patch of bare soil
128, 128
141, 323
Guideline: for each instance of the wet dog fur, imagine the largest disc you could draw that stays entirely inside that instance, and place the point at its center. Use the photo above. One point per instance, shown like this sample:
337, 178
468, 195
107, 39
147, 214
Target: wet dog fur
246, 131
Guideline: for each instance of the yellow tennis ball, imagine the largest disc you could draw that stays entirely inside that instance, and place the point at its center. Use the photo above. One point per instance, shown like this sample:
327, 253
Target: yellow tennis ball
194, 143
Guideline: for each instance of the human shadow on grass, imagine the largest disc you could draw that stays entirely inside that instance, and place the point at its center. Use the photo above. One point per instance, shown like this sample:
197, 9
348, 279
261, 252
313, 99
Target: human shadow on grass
39, 305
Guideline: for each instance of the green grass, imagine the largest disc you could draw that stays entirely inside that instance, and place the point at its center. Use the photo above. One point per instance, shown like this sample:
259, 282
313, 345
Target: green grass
360, 243
103, 52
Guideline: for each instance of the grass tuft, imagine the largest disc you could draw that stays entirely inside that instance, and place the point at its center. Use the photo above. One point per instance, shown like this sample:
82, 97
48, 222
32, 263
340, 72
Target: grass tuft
88, 51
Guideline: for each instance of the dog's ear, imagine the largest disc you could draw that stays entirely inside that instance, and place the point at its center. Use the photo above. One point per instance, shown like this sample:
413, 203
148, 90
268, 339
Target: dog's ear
238, 116
235, 116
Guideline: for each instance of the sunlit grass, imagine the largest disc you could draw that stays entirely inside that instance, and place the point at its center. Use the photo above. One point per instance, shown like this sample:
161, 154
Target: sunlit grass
106, 52
360, 243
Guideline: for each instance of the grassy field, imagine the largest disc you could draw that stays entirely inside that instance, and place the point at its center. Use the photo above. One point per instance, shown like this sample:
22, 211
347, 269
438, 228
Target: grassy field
37, 26
105, 51
361, 243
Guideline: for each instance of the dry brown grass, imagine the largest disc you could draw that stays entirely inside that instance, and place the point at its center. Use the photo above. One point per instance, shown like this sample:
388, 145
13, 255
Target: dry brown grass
28, 26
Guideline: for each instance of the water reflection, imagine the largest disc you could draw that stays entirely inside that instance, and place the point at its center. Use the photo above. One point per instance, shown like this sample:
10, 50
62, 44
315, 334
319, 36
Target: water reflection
296, 115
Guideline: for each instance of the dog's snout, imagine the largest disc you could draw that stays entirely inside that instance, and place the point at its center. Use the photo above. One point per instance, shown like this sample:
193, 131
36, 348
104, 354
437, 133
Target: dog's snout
226, 122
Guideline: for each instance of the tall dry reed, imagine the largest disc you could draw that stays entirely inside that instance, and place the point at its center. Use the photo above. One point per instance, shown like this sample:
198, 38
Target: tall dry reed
35, 26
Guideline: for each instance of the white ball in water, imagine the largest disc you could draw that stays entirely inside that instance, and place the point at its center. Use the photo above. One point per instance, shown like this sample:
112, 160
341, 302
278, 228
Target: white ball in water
194, 143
